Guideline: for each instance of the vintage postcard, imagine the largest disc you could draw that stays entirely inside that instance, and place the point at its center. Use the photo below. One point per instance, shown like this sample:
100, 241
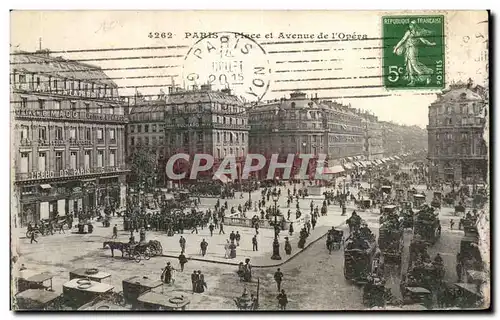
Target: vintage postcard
250, 160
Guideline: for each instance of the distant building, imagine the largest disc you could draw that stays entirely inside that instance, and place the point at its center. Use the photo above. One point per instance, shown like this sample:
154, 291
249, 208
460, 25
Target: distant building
374, 142
146, 125
68, 137
206, 121
457, 149
302, 125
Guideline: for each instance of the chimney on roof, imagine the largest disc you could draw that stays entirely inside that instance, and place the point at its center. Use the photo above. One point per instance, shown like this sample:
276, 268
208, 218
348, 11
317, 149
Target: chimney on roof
206, 87
226, 91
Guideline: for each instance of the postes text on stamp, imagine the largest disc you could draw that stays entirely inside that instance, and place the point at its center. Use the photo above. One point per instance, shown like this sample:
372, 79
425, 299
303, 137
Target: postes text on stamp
413, 52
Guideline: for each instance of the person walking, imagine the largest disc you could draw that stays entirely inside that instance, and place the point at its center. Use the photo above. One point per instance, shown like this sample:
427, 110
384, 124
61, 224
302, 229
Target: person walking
288, 246
278, 277
211, 228
221, 228
282, 300
203, 247
232, 236
254, 243
290, 229
182, 260
115, 232
238, 238
182, 243
33, 237
194, 280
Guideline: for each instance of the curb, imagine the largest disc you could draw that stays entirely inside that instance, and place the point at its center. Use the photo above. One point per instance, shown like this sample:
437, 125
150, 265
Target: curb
258, 266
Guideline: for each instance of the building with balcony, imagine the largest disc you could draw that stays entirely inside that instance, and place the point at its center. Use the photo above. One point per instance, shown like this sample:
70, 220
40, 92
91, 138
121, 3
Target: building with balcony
146, 125
374, 142
457, 150
302, 125
68, 137
206, 121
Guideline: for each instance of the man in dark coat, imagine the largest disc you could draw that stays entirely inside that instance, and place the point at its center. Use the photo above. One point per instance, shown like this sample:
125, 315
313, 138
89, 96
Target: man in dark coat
203, 246
182, 260
211, 228
278, 277
254, 243
282, 300
238, 238
232, 236
194, 280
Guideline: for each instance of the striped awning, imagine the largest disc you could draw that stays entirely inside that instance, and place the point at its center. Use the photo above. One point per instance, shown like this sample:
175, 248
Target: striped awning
333, 169
348, 166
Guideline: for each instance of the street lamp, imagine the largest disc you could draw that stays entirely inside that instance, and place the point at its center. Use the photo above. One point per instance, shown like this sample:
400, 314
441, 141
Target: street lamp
344, 198
276, 244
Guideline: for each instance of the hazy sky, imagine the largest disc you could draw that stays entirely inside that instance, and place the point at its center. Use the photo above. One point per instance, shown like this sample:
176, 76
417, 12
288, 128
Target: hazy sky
340, 62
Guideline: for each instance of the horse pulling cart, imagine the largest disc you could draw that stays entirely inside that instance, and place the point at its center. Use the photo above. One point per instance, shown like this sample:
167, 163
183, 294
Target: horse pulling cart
135, 251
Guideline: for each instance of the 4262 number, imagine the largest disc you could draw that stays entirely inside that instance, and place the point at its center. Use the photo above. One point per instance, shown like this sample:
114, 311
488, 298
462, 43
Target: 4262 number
160, 35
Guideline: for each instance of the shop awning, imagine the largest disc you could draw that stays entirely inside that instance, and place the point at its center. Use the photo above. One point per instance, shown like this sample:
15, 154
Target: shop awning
333, 169
397, 158
45, 186
348, 166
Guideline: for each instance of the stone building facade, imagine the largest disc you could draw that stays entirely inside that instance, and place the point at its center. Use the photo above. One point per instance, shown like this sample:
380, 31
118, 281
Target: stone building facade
68, 137
206, 121
457, 149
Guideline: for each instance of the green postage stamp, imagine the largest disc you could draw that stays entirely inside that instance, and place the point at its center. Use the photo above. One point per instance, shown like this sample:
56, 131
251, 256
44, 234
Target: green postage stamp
413, 52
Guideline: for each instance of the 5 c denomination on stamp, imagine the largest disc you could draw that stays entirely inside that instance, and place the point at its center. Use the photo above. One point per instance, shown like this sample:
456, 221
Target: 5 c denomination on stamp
228, 60
413, 52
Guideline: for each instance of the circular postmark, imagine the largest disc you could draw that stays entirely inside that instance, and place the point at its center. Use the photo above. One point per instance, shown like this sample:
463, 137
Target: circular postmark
228, 60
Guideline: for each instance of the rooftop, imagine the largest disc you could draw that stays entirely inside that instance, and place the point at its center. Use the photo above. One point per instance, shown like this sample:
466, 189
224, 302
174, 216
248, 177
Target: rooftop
41, 62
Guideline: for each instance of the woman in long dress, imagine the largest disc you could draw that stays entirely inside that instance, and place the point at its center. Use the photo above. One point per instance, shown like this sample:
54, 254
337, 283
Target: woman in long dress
416, 71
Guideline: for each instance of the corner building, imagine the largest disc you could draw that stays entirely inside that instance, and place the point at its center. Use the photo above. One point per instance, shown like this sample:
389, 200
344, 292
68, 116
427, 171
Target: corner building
206, 121
457, 149
302, 125
67, 125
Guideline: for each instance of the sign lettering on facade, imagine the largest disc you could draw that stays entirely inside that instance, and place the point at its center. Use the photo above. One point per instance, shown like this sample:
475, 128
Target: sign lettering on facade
69, 114
69, 172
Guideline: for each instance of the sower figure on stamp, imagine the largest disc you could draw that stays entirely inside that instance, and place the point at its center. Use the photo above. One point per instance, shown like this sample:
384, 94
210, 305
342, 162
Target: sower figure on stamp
416, 71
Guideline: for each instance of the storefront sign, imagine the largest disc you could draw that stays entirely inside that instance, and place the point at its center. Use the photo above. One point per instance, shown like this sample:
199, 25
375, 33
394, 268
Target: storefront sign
69, 114
70, 172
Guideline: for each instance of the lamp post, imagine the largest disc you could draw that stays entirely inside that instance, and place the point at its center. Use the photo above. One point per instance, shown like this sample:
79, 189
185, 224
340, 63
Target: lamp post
344, 198
276, 244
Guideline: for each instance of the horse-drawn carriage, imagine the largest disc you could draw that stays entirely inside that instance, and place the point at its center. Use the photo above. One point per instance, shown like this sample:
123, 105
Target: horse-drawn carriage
365, 204
418, 200
135, 251
390, 241
436, 200
359, 254
459, 210
334, 239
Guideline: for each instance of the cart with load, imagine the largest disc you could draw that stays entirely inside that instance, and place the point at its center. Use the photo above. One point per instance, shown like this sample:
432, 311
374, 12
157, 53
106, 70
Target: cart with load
162, 302
436, 200
365, 204
37, 299
29, 279
418, 200
135, 286
358, 257
78, 292
92, 274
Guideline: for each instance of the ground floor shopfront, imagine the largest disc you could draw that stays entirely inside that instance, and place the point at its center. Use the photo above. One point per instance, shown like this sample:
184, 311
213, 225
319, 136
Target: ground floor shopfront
468, 171
44, 199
